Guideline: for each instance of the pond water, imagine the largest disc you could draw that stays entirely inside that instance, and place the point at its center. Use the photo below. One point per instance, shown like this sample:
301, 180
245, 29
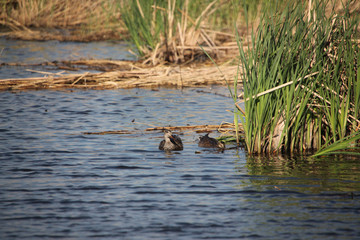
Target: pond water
35, 52
56, 182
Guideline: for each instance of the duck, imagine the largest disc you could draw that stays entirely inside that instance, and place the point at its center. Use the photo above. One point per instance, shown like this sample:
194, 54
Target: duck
171, 142
209, 142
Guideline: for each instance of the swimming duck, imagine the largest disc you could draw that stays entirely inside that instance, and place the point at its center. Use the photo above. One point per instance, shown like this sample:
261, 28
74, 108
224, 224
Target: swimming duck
171, 142
209, 142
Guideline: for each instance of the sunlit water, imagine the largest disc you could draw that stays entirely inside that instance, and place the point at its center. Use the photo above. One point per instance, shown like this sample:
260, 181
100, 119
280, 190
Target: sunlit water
57, 182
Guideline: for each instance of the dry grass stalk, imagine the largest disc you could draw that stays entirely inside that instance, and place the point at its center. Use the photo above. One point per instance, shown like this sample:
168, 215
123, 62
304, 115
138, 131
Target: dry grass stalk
275, 88
203, 128
196, 128
110, 132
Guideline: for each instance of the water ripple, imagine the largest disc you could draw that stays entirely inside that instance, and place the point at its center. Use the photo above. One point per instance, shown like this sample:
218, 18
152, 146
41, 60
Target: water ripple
56, 182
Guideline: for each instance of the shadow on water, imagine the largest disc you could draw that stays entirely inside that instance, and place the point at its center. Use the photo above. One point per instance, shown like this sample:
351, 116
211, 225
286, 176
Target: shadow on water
56, 182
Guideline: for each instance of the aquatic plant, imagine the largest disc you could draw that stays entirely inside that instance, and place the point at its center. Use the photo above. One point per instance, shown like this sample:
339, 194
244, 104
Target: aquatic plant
301, 80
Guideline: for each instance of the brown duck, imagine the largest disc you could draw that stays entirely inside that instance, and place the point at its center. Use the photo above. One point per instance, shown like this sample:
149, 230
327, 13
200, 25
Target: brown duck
209, 142
171, 142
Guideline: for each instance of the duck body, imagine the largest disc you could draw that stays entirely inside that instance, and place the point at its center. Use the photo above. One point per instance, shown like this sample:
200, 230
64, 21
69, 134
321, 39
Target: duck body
171, 142
209, 142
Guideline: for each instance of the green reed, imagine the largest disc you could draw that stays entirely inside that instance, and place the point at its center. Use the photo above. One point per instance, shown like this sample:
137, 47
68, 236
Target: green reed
301, 81
145, 21
153, 24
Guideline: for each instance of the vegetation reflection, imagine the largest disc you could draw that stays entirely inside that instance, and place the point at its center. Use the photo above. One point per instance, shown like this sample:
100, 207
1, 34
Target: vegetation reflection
304, 174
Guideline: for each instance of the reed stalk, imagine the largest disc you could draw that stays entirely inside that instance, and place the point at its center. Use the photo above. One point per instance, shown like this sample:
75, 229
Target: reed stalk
301, 81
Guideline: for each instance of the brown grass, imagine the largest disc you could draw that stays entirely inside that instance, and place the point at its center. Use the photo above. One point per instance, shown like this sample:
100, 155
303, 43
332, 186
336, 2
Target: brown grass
83, 20
64, 34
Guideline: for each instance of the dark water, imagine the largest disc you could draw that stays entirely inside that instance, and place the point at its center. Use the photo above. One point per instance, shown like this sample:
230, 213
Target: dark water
58, 183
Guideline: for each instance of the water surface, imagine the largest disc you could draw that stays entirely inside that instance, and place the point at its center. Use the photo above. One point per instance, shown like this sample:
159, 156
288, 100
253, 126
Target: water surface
57, 182
36, 52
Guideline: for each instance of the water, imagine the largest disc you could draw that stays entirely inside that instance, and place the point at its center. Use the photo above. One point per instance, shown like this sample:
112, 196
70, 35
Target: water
56, 182
35, 52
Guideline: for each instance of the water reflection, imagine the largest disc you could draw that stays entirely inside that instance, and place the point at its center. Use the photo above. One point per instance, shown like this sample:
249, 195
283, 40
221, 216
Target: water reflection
305, 174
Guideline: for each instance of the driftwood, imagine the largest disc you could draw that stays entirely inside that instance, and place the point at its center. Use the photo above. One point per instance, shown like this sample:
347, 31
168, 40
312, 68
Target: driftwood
128, 75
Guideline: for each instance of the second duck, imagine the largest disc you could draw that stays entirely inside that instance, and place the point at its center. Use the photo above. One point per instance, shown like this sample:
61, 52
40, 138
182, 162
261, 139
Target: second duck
209, 142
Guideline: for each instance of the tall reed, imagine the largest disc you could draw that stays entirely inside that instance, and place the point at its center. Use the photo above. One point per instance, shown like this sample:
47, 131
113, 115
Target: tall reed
175, 30
301, 81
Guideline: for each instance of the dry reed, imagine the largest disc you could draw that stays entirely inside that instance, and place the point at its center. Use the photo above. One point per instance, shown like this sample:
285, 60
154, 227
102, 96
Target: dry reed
128, 75
62, 20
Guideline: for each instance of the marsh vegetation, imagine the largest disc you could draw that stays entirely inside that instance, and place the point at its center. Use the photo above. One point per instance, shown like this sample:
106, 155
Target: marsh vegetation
301, 81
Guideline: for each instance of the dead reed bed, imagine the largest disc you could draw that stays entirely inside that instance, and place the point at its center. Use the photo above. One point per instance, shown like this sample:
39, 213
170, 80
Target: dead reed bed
127, 75
78, 35
63, 20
